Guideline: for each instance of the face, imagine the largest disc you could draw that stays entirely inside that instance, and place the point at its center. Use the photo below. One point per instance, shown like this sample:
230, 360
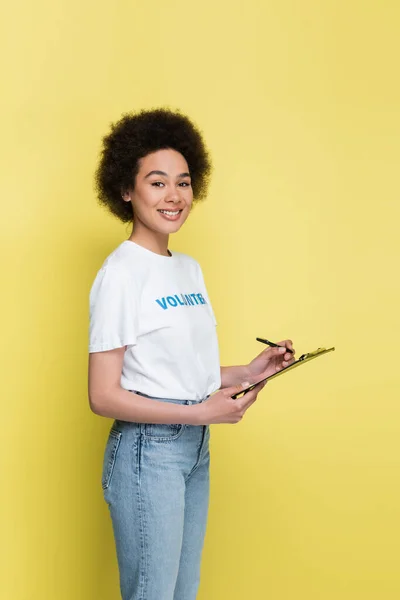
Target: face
162, 196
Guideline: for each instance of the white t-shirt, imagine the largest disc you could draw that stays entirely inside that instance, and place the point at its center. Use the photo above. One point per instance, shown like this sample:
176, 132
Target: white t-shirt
158, 307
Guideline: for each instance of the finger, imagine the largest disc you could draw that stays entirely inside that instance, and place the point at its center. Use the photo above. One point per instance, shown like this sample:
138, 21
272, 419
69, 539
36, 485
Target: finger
255, 396
236, 389
258, 389
287, 362
247, 400
275, 351
288, 344
246, 407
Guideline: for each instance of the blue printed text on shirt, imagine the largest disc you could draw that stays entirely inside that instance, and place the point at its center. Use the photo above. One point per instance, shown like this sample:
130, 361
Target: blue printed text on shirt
180, 300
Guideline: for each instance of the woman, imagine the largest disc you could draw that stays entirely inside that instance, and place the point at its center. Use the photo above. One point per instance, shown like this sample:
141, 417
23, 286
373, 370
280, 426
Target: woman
154, 362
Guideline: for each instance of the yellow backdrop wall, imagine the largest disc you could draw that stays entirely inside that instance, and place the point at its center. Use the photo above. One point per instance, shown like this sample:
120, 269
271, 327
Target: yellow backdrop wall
299, 102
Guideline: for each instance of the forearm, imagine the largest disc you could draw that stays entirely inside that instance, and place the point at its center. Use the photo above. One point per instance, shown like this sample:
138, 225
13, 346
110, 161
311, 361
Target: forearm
117, 403
231, 376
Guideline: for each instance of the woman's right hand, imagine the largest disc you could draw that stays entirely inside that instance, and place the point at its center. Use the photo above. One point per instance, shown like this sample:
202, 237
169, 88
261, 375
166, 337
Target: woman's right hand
222, 408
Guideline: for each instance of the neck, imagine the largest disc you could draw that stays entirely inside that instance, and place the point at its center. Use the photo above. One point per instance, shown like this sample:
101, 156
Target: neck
151, 240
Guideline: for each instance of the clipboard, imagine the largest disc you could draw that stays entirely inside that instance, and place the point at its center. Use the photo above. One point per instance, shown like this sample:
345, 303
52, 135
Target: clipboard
304, 358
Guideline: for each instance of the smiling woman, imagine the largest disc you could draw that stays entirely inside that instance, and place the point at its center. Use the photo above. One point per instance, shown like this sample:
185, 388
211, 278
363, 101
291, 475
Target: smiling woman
154, 360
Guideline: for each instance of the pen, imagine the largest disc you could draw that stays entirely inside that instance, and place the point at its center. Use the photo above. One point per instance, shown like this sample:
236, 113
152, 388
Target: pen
263, 341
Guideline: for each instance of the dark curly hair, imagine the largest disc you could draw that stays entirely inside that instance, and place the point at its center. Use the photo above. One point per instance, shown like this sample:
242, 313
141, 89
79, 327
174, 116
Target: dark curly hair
133, 137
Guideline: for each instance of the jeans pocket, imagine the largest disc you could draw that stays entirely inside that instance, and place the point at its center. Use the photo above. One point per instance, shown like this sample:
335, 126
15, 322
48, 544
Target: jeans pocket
162, 432
110, 456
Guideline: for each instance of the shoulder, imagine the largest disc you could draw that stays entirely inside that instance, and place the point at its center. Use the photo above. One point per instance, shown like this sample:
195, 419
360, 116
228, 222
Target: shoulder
123, 258
126, 261
186, 260
121, 269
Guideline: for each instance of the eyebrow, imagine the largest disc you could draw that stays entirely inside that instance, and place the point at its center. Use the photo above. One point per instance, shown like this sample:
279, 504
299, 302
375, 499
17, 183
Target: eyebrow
165, 174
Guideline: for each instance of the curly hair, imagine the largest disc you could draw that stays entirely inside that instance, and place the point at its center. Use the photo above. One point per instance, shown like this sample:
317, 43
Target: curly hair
135, 136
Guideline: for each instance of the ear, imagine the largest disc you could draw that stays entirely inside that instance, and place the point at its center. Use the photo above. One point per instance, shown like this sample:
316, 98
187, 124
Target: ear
126, 196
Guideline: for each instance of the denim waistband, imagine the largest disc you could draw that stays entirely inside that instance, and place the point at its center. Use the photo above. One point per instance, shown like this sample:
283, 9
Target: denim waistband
172, 400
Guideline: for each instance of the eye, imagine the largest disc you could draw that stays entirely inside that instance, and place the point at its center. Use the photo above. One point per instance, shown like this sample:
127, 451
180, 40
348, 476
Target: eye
185, 184
157, 183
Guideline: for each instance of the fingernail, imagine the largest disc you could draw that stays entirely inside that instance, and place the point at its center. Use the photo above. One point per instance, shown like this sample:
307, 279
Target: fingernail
282, 350
245, 385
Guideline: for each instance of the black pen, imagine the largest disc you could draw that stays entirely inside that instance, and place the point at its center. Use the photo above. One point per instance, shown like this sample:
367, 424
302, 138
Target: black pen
272, 344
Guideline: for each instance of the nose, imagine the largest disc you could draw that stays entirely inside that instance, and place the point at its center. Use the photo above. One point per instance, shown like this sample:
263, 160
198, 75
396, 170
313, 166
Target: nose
173, 196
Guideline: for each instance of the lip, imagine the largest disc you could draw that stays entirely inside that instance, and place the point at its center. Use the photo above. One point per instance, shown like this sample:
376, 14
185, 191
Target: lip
170, 217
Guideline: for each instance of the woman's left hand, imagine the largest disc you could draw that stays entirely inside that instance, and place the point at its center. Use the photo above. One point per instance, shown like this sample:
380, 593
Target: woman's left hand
271, 360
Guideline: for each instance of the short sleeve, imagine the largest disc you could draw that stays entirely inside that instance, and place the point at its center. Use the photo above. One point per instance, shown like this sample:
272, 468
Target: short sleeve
113, 314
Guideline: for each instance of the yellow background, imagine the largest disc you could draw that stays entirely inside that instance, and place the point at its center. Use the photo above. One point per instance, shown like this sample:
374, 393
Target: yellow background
299, 103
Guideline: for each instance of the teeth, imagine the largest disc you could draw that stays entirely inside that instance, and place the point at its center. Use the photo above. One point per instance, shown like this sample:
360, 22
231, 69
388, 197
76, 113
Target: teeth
170, 213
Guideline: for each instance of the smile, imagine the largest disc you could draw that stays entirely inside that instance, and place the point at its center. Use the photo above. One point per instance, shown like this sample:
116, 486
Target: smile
170, 213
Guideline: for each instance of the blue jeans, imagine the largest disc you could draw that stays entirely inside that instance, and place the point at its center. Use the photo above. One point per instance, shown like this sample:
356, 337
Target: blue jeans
156, 484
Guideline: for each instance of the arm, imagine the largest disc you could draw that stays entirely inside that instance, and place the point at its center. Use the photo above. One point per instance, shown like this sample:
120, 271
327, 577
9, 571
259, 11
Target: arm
265, 364
231, 376
108, 399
